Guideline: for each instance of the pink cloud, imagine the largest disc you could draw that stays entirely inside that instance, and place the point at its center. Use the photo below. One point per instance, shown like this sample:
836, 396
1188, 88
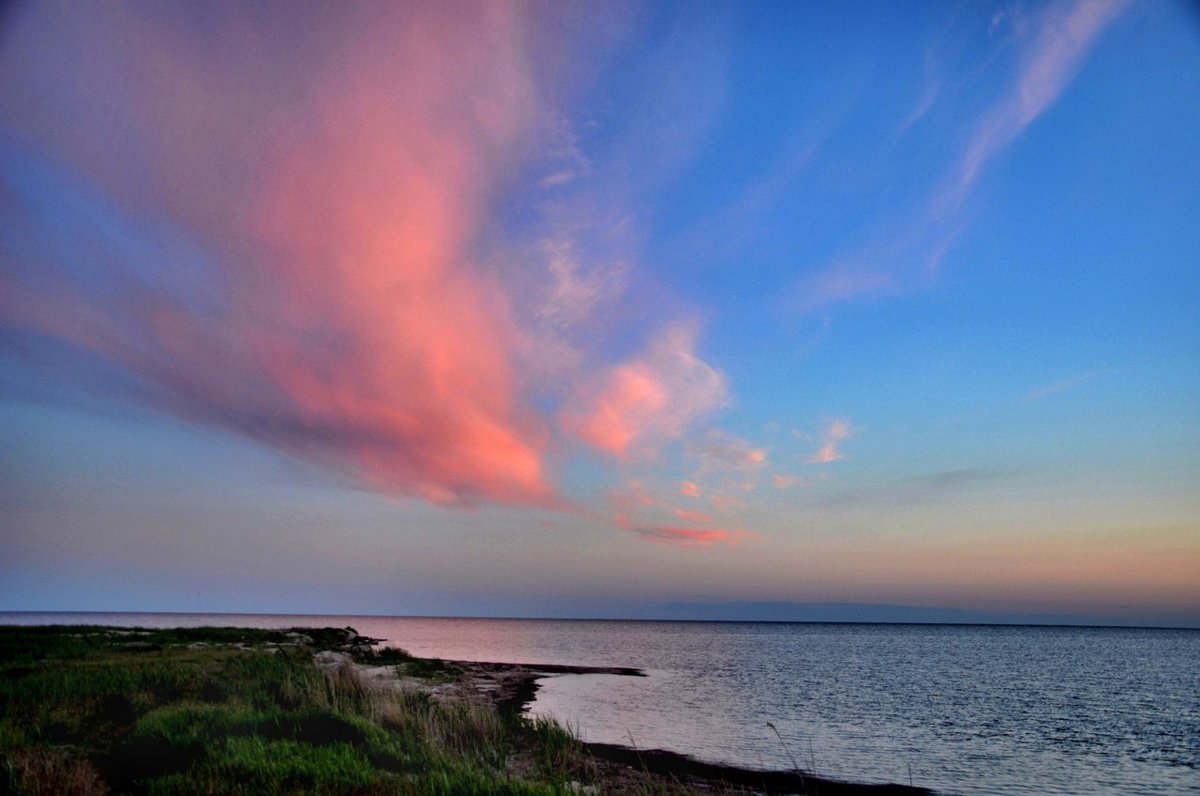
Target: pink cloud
633, 504
832, 437
649, 400
726, 502
724, 463
690, 537
698, 517
720, 452
634, 495
683, 536
341, 316
782, 481
689, 489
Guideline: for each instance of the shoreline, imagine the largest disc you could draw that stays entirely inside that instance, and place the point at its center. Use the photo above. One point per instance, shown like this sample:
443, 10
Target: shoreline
512, 687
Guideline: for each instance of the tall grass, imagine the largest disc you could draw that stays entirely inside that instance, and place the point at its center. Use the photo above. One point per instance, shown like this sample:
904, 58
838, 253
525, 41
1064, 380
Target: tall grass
88, 710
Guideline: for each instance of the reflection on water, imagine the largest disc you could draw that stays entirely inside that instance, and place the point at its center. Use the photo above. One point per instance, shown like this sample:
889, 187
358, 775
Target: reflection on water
964, 709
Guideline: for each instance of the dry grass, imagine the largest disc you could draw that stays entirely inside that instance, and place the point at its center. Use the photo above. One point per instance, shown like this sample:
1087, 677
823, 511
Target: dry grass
53, 771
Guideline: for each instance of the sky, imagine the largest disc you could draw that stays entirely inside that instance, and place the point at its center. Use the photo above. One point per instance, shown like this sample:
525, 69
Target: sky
703, 310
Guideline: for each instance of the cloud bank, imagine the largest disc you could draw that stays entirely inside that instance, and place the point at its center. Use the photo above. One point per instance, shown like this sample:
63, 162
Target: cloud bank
327, 176
277, 225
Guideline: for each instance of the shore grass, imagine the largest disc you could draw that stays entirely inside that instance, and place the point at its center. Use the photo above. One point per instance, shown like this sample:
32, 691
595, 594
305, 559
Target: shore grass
94, 710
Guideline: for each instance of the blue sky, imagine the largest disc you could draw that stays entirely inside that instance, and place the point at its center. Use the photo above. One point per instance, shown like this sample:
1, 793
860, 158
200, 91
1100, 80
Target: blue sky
602, 310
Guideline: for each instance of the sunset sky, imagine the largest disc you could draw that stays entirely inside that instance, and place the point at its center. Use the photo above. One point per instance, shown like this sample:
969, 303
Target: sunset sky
599, 309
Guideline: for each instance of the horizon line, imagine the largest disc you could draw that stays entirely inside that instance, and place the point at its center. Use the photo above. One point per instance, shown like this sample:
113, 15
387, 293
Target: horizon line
948, 623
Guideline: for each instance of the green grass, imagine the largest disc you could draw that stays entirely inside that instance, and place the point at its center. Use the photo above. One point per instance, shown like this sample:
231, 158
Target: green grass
94, 710
558, 752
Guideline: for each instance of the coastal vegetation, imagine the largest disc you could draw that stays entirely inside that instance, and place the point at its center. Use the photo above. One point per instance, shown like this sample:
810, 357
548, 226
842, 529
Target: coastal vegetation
96, 710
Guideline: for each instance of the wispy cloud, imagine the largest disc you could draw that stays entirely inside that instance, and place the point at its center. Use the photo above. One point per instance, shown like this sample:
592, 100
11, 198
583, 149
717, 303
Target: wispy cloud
639, 510
726, 503
634, 495
648, 400
930, 87
576, 290
922, 489
787, 481
1062, 37
683, 535
904, 254
692, 516
841, 283
1058, 387
724, 467
718, 451
955, 479
563, 158
832, 437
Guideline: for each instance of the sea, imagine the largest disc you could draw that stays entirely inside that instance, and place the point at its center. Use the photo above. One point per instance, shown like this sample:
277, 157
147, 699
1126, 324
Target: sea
984, 710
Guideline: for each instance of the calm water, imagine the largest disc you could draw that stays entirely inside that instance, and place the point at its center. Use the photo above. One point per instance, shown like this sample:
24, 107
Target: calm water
963, 709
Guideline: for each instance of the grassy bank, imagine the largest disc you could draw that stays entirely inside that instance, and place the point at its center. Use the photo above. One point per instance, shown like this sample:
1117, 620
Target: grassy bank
92, 710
